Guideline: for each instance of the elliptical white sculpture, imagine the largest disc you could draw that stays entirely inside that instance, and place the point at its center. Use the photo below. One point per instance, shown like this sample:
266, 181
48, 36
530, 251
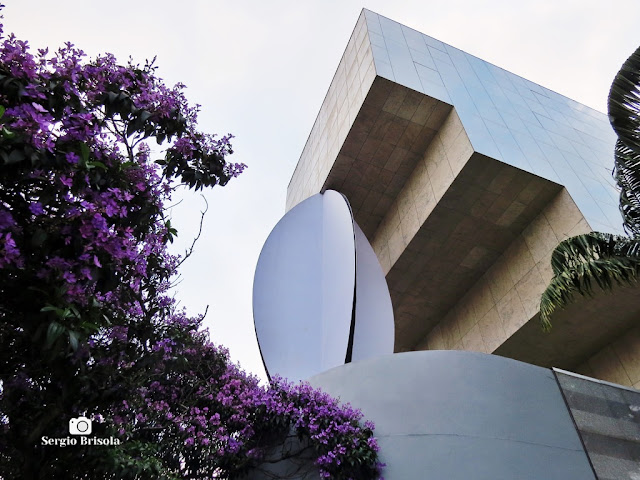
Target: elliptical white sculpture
320, 298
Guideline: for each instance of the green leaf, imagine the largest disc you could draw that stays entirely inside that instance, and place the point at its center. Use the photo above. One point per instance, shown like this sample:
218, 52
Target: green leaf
623, 104
111, 97
95, 164
62, 313
580, 262
627, 176
53, 333
144, 115
89, 327
15, 156
8, 134
51, 308
73, 340
132, 127
84, 152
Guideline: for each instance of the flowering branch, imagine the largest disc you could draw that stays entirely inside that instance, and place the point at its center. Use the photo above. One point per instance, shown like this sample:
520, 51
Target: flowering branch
87, 326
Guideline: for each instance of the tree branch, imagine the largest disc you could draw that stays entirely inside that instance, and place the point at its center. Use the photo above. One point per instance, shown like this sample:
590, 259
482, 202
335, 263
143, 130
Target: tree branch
189, 251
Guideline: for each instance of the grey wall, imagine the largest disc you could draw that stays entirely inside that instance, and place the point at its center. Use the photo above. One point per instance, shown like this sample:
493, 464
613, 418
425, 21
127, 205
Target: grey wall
459, 415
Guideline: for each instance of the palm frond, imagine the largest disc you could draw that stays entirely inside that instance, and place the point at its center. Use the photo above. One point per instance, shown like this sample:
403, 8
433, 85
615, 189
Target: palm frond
624, 102
582, 262
627, 176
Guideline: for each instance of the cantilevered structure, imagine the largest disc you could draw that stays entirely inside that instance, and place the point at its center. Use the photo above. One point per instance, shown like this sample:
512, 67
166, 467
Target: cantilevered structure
464, 177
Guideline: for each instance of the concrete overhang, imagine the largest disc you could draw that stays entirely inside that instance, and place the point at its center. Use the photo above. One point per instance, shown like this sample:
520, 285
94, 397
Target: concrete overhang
581, 329
471, 217
386, 141
445, 160
485, 208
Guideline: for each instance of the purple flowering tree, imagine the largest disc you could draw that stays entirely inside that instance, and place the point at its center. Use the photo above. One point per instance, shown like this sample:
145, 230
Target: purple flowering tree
87, 325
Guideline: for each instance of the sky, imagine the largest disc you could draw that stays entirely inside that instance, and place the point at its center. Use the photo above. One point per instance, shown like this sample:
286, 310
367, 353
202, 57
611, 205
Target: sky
260, 70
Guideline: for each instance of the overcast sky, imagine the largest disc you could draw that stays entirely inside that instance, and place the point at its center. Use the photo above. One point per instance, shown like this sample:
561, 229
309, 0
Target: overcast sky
260, 70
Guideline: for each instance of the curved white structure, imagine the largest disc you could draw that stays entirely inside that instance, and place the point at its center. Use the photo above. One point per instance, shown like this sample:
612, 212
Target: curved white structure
458, 415
374, 327
319, 295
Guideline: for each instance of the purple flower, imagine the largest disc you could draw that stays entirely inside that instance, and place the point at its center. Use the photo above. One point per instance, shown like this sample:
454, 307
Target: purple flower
36, 208
66, 181
72, 158
120, 333
6, 220
9, 252
106, 257
69, 277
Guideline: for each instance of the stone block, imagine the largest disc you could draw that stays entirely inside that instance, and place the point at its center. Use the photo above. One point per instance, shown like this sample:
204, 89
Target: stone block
473, 342
519, 259
627, 348
491, 330
530, 289
607, 366
499, 279
511, 312
540, 238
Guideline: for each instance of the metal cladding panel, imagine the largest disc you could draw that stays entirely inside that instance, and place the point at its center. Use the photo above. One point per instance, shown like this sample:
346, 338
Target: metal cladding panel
458, 415
374, 326
338, 278
303, 288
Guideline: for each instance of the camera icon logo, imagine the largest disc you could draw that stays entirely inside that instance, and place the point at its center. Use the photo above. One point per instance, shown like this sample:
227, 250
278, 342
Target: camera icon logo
80, 426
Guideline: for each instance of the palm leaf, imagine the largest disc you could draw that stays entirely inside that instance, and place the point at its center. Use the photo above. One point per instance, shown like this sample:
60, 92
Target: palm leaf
624, 102
627, 176
580, 263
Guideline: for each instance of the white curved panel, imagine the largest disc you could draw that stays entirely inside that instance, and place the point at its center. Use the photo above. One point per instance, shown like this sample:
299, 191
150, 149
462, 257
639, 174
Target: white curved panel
303, 288
374, 326
338, 278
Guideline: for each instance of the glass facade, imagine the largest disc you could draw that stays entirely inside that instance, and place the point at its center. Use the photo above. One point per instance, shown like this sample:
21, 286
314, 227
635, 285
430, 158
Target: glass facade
508, 117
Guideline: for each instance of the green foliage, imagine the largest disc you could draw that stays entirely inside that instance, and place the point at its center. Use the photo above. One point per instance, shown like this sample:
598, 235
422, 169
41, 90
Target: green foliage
582, 262
624, 102
88, 327
627, 166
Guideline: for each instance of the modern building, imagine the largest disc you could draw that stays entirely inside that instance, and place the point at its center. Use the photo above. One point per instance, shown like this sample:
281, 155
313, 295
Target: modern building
464, 177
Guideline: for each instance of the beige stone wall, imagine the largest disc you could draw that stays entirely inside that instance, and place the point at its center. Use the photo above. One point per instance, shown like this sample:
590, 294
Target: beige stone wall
444, 158
351, 82
618, 362
508, 294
